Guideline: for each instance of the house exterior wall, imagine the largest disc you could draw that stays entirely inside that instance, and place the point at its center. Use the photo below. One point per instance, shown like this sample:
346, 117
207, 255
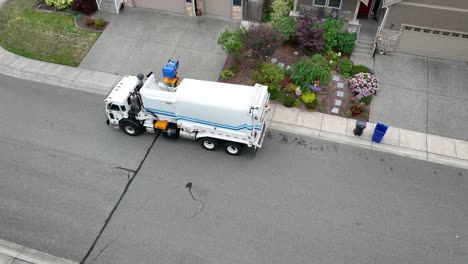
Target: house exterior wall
349, 5
426, 17
463, 4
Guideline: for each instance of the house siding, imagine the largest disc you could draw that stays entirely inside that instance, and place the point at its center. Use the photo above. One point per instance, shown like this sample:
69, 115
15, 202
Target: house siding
462, 4
426, 17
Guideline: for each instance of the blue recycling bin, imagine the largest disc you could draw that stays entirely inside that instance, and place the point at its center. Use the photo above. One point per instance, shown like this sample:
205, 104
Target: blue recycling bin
379, 132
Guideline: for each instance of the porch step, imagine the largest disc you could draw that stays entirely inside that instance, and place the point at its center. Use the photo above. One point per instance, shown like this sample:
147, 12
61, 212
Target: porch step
364, 45
358, 50
108, 6
366, 41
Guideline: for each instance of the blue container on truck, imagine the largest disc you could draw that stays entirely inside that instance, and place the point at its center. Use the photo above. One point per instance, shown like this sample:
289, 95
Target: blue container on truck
170, 70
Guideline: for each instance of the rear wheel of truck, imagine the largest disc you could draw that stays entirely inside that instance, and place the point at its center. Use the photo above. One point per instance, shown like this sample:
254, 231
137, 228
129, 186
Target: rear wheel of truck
233, 148
209, 143
131, 127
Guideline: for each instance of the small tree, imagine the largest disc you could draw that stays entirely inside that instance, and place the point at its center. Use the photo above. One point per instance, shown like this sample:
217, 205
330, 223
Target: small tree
307, 70
280, 9
262, 41
86, 6
59, 4
231, 42
286, 26
307, 33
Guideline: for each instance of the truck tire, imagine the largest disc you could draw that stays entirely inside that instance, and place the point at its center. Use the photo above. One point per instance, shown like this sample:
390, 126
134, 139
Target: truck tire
210, 144
131, 127
233, 148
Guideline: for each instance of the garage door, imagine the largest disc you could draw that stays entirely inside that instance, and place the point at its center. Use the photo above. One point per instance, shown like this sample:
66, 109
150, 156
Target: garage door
433, 43
177, 6
218, 7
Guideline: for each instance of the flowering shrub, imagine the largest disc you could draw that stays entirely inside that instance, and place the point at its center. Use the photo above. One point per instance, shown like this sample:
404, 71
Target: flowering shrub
364, 84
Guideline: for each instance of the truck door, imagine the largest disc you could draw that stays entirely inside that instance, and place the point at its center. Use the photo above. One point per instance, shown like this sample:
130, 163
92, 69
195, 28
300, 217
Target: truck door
115, 114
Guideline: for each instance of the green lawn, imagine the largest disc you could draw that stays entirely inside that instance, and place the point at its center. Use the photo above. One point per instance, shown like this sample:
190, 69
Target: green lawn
43, 36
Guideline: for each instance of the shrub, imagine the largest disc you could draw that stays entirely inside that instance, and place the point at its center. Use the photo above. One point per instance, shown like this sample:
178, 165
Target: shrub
231, 42
88, 21
308, 97
348, 114
267, 15
280, 9
59, 4
285, 82
86, 6
99, 23
367, 99
307, 70
286, 26
357, 109
364, 84
289, 101
312, 105
226, 73
290, 88
274, 93
262, 41
297, 102
358, 69
307, 33
346, 65
331, 27
345, 42
268, 74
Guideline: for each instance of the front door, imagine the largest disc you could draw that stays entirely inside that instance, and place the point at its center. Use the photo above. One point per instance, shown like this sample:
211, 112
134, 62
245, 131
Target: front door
364, 9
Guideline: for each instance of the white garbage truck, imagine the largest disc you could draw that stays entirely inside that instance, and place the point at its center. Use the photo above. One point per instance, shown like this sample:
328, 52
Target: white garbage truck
215, 114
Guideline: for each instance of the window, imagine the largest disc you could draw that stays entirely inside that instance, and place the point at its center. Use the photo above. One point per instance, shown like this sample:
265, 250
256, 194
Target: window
236, 2
334, 3
328, 3
123, 108
114, 107
320, 2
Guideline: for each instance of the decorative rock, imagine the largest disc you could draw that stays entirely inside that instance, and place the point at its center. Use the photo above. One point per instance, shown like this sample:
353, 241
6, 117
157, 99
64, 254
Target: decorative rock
335, 110
336, 78
337, 102
288, 67
281, 64
340, 85
274, 60
339, 94
298, 91
296, 53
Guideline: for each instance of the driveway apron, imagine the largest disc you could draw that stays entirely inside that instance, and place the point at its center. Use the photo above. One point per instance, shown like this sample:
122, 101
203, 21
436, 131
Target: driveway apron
142, 40
422, 94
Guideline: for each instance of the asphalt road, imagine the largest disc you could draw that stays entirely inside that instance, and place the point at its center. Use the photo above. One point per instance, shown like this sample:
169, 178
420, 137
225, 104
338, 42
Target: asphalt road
299, 200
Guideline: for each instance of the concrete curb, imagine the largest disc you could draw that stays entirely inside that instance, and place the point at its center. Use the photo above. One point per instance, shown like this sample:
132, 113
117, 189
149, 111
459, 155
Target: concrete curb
398, 141
10, 251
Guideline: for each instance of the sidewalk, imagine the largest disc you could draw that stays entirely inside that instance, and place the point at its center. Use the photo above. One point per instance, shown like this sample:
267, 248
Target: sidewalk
398, 141
11, 253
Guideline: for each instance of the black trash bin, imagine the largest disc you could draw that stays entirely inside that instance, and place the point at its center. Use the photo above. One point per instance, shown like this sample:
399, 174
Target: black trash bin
360, 126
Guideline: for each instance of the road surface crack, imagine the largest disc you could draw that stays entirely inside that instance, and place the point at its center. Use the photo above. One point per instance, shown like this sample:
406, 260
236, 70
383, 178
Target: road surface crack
111, 214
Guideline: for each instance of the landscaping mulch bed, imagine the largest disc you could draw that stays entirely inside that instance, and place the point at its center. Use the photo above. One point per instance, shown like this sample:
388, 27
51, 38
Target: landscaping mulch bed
79, 17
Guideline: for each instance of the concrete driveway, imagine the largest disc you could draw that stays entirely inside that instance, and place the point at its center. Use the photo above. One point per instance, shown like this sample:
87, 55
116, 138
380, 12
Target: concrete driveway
422, 94
142, 40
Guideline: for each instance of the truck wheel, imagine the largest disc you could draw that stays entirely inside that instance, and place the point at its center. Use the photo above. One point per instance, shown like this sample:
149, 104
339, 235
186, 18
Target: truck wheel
209, 143
130, 127
233, 148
